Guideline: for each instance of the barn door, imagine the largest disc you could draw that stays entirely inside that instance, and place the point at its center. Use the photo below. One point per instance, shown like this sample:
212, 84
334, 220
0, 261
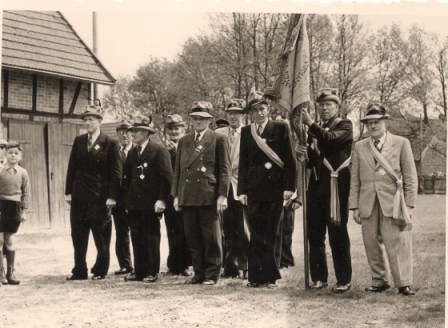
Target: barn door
60, 141
31, 136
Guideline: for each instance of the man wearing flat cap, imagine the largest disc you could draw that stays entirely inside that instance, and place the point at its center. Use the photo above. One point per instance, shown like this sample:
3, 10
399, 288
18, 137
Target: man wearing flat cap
329, 150
93, 180
147, 178
179, 258
200, 187
121, 222
382, 193
266, 178
235, 225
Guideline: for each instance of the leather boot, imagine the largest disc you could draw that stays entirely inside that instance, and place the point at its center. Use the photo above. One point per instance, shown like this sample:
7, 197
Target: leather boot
3, 280
12, 280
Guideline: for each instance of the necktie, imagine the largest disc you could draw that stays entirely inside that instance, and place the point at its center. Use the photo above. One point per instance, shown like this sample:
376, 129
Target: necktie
376, 144
89, 142
196, 140
260, 130
232, 136
139, 150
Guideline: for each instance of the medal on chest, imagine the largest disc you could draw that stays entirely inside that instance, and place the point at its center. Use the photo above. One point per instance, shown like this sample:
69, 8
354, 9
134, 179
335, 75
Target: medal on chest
268, 165
203, 169
142, 176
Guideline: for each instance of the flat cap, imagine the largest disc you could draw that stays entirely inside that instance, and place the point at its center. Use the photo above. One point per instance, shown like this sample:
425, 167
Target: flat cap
142, 123
92, 111
256, 98
201, 108
375, 111
235, 105
173, 120
328, 95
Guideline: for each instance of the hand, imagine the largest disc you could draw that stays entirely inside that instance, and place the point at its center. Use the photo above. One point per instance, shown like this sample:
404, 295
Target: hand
68, 199
170, 145
287, 194
221, 203
159, 206
300, 150
296, 205
243, 199
356, 217
306, 118
23, 218
110, 203
176, 204
409, 211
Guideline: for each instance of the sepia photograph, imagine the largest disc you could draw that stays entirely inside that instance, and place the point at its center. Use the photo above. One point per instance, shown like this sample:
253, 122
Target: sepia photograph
223, 164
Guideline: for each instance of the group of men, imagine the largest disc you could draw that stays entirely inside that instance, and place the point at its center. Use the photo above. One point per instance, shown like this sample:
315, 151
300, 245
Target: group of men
223, 195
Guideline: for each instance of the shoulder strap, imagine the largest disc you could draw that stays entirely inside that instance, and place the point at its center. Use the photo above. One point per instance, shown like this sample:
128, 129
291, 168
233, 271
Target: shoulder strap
265, 148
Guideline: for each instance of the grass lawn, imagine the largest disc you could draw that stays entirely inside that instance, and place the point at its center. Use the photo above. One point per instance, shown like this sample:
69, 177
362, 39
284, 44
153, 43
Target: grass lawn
45, 299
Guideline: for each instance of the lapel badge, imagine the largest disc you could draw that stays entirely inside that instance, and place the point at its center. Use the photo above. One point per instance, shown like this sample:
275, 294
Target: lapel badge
203, 169
142, 176
145, 165
381, 171
199, 148
96, 147
268, 165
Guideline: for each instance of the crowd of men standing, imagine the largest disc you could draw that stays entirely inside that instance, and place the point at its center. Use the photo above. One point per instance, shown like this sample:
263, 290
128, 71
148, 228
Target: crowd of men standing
228, 194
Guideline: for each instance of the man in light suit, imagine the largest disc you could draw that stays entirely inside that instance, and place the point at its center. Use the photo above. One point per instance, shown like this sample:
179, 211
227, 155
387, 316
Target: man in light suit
382, 169
235, 225
200, 188
147, 179
93, 180
266, 178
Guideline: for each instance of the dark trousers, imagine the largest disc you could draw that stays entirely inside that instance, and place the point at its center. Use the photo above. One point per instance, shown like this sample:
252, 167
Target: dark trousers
203, 233
122, 249
86, 216
179, 258
236, 236
264, 218
318, 217
145, 237
287, 230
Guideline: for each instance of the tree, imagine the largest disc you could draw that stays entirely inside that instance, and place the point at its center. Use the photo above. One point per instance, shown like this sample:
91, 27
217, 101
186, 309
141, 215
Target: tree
118, 100
441, 64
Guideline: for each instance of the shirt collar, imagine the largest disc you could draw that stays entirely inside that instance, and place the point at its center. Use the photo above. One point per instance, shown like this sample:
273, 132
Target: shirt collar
127, 148
263, 125
95, 135
201, 134
9, 167
238, 129
143, 145
382, 140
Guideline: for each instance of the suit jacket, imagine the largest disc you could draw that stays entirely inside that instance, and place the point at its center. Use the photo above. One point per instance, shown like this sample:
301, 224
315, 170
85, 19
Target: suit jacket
234, 158
147, 177
336, 146
369, 181
256, 179
94, 175
201, 173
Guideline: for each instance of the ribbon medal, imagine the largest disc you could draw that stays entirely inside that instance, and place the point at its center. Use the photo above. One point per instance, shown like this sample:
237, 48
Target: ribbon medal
203, 169
268, 165
142, 176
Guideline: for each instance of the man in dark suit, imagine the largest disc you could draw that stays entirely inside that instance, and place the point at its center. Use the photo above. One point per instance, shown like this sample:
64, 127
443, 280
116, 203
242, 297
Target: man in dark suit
179, 258
147, 178
93, 179
121, 222
201, 183
329, 151
267, 178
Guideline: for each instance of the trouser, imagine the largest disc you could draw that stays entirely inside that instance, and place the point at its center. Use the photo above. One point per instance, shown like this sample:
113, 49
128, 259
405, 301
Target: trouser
378, 230
86, 216
236, 232
122, 249
319, 221
179, 258
264, 217
203, 233
287, 230
145, 237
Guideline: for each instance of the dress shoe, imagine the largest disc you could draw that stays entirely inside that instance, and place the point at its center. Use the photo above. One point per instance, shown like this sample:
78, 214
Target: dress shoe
340, 288
150, 279
406, 291
186, 273
253, 284
377, 289
242, 274
209, 282
76, 277
271, 285
132, 277
319, 285
98, 277
123, 271
194, 280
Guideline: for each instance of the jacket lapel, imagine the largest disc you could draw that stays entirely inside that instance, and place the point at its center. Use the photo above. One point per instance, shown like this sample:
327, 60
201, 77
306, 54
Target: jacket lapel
368, 154
98, 145
235, 152
145, 155
205, 143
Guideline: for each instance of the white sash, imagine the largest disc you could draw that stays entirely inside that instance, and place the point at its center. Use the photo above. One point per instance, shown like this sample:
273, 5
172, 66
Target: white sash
265, 148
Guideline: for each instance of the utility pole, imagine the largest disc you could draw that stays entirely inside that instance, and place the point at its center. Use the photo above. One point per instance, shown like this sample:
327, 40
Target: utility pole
95, 51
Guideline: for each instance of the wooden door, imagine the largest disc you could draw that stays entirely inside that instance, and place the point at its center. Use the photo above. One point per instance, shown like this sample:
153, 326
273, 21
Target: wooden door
31, 136
60, 141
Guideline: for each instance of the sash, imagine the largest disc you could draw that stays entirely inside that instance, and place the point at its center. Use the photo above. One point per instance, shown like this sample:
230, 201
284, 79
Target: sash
335, 212
265, 148
400, 211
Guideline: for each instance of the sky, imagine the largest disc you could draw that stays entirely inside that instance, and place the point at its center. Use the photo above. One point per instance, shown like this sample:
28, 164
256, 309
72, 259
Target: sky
131, 31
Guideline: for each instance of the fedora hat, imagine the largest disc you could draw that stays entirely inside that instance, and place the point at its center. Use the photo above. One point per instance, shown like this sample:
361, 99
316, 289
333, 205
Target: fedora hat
328, 95
256, 98
91, 111
173, 120
235, 105
142, 123
124, 125
201, 108
375, 111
